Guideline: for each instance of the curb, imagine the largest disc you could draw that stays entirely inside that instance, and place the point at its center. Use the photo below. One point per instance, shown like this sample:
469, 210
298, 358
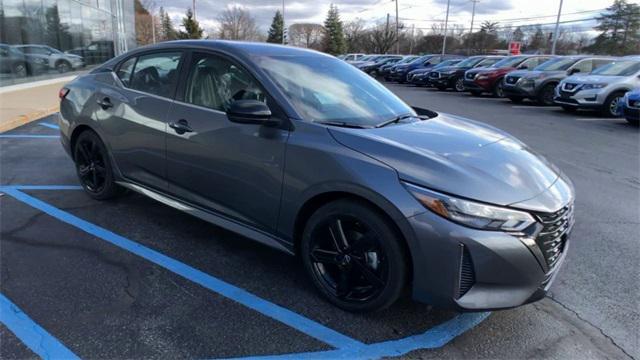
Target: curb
27, 118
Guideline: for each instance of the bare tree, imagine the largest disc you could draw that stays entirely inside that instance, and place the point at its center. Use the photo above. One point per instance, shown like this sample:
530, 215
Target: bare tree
355, 34
306, 35
382, 37
237, 23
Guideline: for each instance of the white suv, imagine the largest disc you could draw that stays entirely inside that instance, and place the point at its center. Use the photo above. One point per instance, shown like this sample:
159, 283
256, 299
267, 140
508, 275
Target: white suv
602, 89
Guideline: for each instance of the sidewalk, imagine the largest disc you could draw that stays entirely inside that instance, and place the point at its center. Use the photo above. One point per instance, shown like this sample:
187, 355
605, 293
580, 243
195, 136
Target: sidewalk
23, 103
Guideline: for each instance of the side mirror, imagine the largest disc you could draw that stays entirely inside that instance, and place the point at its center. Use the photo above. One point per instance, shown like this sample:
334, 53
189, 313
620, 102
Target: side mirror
424, 112
573, 71
250, 112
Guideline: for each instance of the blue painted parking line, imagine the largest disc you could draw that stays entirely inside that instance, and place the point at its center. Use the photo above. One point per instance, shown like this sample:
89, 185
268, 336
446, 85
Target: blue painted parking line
433, 338
28, 136
288, 317
31, 334
41, 187
49, 125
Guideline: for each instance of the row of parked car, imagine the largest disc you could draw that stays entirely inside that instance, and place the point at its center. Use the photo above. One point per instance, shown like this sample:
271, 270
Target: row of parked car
599, 83
31, 59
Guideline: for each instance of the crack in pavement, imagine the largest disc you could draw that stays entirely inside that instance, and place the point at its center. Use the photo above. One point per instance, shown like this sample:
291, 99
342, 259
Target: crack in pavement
613, 342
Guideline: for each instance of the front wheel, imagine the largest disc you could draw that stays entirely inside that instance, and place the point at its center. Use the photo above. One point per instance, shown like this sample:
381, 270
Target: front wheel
354, 256
498, 89
93, 166
545, 97
459, 85
611, 106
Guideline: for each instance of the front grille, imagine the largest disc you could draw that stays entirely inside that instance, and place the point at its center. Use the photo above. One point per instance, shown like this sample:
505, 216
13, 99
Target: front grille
553, 236
470, 76
467, 276
565, 94
434, 74
512, 80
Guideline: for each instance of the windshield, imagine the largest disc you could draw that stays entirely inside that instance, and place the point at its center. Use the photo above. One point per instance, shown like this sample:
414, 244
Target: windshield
509, 62
556, 64
447, 63
366, 58
421, 59
488, 62
470, 62
407, 59
618, 68
325, 89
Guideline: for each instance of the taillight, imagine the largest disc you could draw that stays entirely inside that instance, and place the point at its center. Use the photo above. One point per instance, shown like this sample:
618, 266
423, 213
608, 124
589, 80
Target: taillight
62, 93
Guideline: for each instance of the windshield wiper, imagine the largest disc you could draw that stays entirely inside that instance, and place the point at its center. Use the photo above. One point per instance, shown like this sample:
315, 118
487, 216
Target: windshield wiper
343, 124
393, 121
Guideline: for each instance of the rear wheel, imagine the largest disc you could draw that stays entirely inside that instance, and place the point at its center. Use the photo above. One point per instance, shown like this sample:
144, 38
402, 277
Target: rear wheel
93, 166
611, 106
20, 70
353, 256
63, 66
459, 84
546, 95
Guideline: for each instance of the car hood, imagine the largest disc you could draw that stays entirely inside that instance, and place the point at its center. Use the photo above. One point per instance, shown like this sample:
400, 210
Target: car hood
590, 79
536, 74
457, 156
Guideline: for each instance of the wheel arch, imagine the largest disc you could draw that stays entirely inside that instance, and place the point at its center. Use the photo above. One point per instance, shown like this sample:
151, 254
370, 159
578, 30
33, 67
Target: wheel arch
74, 136
393, 215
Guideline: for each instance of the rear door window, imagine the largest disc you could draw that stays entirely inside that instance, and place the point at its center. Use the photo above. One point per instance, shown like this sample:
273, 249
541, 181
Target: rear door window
156, 74
125, 71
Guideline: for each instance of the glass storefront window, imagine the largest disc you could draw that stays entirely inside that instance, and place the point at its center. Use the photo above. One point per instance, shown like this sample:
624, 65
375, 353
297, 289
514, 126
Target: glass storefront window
48, 38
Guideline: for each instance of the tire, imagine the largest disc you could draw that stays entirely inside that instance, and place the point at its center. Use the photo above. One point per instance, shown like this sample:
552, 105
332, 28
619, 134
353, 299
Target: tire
516, 99
568, 108
545, 97
610, 107
370, 272
498, 89
93, 167
458, 84
63, 66
20, 70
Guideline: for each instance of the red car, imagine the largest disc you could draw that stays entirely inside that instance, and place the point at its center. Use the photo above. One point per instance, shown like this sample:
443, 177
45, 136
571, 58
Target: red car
489, 79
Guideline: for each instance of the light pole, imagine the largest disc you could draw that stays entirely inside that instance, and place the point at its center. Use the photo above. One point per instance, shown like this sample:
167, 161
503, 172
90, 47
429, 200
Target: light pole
397, 29
555, 32
446, 23
473, 16
194, 9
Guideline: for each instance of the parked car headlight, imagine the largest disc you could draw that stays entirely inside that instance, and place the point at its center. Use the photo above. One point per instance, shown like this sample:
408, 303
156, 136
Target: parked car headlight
593, 86
471, 213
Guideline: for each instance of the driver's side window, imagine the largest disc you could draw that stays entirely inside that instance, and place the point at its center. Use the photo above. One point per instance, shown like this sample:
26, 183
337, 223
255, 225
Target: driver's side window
215, 82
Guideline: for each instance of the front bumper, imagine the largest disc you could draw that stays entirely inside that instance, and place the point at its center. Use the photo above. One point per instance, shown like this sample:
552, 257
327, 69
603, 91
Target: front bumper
470, 85
583, 99
528, 90
442, 81
473, 270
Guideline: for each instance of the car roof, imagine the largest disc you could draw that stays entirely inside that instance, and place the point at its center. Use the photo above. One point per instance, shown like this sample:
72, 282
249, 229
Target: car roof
245, 47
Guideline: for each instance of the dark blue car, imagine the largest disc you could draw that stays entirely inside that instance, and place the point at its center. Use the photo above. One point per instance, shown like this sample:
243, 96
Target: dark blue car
631, 106
399, 72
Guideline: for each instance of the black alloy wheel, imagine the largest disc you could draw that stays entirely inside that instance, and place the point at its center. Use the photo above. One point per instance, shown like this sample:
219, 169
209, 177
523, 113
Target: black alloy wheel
354, 256
546, 95
93, 166
459, 84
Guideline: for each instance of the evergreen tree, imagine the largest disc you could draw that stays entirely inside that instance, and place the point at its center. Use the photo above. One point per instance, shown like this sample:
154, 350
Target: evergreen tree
167, 31
333, 41
277, 28
192, 29
620, 30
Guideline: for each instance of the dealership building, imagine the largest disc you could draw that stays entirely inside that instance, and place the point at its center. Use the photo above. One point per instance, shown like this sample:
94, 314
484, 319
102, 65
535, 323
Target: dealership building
41, 39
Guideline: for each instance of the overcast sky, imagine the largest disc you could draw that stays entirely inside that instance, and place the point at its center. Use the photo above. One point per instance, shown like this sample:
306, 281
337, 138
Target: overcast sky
419, 13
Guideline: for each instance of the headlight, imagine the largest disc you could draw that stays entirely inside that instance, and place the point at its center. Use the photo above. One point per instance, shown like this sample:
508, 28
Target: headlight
471, 213
593, 86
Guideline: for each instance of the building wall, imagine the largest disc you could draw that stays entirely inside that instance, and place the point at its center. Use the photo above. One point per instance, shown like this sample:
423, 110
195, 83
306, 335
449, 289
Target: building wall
96, 30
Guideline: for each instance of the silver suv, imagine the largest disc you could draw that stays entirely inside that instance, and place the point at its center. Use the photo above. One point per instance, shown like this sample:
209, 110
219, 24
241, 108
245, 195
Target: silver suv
52, 58
602, 90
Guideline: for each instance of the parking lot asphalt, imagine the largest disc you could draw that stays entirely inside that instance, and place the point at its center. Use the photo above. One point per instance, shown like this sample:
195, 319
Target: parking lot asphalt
132, 278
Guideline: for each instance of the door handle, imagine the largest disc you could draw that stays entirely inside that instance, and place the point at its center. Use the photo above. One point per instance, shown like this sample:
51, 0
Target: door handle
181, 126
105, 103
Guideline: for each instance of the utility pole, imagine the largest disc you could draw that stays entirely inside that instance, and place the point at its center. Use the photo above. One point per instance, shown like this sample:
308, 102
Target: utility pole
397, 29
283, 32
446, 23
473, 16
555, 32
194, 9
